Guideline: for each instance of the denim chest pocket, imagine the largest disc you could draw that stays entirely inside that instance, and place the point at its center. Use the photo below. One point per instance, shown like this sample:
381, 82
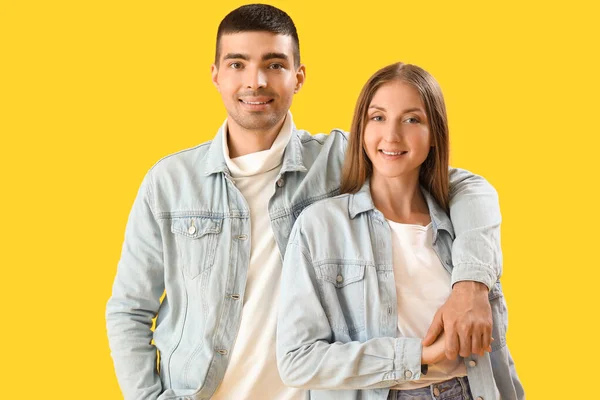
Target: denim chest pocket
342, 289
197, 243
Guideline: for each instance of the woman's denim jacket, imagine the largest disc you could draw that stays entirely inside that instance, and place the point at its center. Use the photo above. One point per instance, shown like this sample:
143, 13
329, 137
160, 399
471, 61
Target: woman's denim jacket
338, 315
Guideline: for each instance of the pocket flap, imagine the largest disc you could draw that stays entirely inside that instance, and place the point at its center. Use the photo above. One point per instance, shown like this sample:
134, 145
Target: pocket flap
196, 227
341, 275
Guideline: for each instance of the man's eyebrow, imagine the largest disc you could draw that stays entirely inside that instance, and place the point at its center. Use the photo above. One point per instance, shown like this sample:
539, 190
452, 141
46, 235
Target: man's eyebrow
237, 56
270, 56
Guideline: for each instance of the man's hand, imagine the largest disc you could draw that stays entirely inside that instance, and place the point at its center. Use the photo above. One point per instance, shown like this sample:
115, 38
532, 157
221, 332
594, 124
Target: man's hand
465, 319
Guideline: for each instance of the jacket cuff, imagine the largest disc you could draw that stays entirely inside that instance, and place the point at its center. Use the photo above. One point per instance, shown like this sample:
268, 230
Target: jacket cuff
474, 272
407, 361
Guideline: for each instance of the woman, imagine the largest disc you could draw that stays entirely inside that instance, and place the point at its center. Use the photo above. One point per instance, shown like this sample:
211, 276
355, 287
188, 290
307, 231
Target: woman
364, 273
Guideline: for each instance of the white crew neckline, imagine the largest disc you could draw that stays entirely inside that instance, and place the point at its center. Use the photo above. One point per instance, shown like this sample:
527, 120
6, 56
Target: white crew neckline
260, 161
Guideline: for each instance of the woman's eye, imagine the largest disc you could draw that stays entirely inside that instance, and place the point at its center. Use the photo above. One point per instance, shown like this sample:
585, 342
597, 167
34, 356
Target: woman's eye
377, 118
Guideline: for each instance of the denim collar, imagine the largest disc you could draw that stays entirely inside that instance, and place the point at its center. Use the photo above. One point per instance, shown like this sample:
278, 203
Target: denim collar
214, 161
362, 201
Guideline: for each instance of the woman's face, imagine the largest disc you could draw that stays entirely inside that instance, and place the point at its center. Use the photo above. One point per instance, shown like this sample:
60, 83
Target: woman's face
397, 139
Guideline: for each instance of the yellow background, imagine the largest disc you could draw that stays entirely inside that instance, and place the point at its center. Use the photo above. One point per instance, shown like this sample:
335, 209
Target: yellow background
94, 92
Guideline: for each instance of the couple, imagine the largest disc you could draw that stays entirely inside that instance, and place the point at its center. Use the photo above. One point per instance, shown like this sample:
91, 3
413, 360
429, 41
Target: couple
371, 293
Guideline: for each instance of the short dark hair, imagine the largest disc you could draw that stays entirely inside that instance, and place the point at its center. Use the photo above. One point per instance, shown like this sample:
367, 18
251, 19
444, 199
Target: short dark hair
258, 18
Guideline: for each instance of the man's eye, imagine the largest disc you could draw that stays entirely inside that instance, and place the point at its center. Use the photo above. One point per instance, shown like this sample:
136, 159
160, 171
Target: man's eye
276, 66
235, 65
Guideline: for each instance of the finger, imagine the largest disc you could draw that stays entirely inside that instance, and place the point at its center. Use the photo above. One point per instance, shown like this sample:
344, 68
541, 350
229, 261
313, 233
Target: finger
451, 345
490, 346
435, 329
464, 338
487, 337
476, 341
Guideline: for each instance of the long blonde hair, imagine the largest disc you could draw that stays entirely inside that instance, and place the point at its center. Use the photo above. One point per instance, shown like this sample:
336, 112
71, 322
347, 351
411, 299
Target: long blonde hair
433, 174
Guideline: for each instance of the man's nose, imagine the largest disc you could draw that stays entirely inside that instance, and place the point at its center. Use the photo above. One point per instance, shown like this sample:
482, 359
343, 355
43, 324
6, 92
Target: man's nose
255, 78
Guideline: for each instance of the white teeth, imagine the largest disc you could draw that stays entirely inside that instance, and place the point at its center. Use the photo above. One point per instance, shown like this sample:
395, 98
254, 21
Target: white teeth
389, 153
255, 102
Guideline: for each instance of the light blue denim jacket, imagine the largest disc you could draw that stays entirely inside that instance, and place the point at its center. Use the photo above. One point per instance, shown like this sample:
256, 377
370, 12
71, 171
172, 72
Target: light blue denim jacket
338, 314
188, 236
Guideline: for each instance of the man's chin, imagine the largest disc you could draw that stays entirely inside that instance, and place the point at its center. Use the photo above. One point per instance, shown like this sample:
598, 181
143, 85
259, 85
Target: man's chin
258, 122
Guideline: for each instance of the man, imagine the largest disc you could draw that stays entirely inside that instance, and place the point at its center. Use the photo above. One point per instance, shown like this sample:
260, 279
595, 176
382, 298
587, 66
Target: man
209, 228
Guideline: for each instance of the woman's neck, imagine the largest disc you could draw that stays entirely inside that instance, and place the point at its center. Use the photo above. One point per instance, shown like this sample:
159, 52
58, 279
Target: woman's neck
400, 199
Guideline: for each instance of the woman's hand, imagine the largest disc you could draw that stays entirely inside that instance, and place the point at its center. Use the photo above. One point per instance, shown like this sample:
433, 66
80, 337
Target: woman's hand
434, 352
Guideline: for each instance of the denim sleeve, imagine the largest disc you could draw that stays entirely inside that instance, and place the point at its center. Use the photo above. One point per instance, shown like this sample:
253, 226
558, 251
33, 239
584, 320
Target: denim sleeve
135, 301
475, 215
306, 356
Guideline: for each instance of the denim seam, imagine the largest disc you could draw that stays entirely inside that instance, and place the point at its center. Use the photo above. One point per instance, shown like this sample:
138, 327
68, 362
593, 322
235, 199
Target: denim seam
339, 286
310, 138
225, 311
487, 269
202, 214
198, 348
180, 336
303, 250
284, 212
180, 152
475, 265
211, 247
342, 261
335, 328
149, 194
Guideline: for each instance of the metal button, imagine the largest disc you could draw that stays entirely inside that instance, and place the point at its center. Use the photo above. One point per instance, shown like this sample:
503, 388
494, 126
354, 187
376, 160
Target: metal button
192, 229
339, 278
242, 237
280, 182
222, 352
408, 374
472, 363
436, 391
479, 398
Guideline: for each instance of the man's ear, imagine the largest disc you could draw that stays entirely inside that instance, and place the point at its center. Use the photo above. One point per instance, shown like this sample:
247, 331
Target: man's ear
300, 78
214, 72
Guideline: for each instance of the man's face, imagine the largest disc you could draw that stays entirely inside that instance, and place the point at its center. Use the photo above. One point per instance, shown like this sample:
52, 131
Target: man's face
256, 78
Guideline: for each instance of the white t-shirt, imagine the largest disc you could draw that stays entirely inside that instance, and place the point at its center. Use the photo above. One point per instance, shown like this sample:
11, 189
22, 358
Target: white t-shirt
422, 287
252, 371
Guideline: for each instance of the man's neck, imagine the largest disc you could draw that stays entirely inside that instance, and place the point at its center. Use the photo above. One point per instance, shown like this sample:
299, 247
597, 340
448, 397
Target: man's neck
242, 141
